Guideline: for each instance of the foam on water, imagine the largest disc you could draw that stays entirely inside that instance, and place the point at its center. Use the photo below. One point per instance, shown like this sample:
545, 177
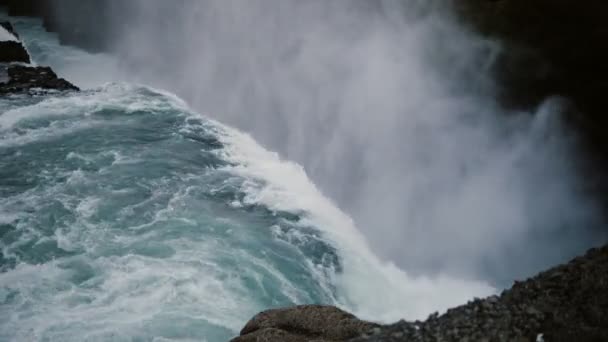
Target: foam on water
375, 290
113, 229
125, 235
134, 231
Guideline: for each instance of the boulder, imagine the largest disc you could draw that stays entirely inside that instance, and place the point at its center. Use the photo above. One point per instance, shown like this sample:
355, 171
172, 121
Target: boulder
303, 323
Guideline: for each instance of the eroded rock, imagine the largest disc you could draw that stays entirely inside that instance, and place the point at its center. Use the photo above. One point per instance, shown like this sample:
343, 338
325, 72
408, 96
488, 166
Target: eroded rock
304, 323
24, 78
18, 78
566, 303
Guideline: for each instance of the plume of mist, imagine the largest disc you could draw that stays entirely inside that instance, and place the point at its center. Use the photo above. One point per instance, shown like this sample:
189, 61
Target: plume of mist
389, 106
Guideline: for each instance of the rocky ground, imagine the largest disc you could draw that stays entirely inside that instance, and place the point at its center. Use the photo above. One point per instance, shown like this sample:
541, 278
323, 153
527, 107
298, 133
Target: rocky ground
566, 303
18, 77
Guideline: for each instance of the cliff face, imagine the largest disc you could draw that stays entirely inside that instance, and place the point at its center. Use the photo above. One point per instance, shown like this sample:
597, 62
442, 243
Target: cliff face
551, 47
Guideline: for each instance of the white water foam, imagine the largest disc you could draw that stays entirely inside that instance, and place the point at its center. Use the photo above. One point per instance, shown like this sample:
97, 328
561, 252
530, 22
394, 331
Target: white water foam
127, 296
127, 97
371, 288
130, 289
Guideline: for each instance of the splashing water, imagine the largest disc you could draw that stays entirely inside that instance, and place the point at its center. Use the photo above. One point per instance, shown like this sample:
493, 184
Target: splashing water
126, 215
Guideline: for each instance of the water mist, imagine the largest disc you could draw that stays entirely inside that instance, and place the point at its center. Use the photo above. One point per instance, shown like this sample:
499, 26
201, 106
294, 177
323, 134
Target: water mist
389, 106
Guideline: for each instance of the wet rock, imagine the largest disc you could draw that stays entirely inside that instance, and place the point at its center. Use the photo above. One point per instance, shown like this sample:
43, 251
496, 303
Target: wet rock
9, 27
24, 78
18, 78
304, 323
566, 303
13, 51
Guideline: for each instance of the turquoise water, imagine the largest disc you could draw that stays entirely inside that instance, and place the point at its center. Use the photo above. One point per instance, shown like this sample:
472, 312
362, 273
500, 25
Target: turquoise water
116, 202
126, 216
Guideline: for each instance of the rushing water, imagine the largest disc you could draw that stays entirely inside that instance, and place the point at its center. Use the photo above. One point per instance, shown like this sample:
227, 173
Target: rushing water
126, 216
120, 209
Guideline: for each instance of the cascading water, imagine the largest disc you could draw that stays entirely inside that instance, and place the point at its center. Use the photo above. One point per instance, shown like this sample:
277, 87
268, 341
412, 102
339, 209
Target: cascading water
127, 215
389, 106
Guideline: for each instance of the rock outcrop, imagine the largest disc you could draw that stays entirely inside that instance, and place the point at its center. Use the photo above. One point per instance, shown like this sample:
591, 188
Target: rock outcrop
566, 303
18, 78
23, 79
13, 51
304, 323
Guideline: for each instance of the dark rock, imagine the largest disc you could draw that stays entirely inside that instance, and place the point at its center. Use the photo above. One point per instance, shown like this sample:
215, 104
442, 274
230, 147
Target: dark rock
9, 27
272, 334
304, 323
23, 79
15, 78
566, 303
12, 51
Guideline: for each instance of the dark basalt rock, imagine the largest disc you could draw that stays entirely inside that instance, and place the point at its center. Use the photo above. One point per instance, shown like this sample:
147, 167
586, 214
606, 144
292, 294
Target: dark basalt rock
566, 303
23, 78
12, 51
303, 323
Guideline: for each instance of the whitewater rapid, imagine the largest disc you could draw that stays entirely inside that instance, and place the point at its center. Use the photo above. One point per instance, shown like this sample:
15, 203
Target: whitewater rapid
126, 215
144, 218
